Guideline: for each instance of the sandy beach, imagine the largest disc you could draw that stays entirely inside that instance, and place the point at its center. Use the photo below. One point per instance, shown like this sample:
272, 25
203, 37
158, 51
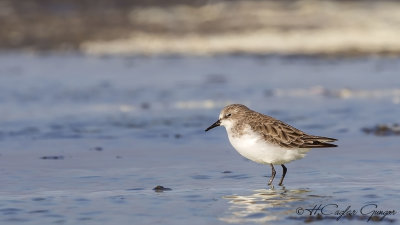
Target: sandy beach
86, 139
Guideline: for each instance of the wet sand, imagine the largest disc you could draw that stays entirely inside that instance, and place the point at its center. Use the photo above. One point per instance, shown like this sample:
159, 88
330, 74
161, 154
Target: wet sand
87, 139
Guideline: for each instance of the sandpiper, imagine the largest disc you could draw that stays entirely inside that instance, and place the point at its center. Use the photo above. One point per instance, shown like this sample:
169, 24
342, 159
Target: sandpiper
266, 140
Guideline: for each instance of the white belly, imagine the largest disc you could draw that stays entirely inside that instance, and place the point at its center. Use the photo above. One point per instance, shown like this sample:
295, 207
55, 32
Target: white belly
256, 149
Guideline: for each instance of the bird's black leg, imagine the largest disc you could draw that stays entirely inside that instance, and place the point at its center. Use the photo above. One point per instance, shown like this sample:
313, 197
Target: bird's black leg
272, 175
283, 175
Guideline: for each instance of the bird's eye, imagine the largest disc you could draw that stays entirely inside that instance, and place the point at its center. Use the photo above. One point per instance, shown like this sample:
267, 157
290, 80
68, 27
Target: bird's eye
228, 115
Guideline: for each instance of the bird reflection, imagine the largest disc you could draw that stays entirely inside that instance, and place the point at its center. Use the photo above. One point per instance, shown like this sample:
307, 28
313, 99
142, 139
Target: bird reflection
265, 205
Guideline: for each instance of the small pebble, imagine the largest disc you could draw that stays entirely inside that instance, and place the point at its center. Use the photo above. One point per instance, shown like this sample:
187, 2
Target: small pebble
99, 149
383, 130
53, 157
159, 188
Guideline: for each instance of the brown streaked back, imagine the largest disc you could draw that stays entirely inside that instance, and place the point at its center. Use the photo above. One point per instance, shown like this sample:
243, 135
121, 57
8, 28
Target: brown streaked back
275, 131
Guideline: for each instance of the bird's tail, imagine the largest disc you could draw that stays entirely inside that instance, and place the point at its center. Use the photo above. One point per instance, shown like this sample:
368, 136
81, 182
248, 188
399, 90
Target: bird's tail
318, 142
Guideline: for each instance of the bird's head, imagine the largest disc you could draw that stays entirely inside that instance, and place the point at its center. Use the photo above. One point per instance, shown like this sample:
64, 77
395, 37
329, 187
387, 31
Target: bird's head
228, 115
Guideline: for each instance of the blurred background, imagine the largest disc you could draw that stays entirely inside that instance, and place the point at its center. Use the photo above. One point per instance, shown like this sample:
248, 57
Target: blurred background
101, 101
200, 27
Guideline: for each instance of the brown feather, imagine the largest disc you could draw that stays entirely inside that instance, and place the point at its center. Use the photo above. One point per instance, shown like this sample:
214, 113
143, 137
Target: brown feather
275, 131
279, 133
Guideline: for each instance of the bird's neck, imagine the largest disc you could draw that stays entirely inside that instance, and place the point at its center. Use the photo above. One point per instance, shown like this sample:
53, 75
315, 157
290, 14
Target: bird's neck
235, 129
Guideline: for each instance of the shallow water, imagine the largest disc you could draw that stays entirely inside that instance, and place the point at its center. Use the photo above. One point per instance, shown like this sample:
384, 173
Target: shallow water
85, 139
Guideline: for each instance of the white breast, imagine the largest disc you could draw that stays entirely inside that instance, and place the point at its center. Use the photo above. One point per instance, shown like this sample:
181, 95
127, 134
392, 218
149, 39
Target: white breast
254, 147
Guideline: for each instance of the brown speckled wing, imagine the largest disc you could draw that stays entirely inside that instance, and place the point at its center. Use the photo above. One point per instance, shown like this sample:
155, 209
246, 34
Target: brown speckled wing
279, 133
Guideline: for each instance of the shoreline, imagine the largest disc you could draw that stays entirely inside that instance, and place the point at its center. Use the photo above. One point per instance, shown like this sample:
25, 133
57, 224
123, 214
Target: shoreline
332, 28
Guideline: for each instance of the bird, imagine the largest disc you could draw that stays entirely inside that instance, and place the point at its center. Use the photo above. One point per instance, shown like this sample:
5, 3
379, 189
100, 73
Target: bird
266, 140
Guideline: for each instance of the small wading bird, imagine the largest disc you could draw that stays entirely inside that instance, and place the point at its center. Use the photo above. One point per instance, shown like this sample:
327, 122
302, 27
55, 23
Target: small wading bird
266, 140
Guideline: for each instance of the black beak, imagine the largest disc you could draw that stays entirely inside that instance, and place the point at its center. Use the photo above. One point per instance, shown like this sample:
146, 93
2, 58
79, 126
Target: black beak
216, 124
